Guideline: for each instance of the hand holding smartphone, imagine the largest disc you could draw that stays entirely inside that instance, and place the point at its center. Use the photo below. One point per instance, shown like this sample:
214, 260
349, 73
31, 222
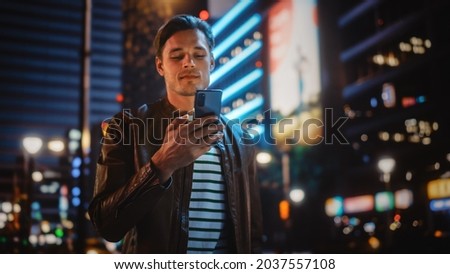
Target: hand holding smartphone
208, 102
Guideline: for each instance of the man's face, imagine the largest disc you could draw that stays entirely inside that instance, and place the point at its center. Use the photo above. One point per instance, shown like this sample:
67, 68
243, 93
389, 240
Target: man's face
186, 62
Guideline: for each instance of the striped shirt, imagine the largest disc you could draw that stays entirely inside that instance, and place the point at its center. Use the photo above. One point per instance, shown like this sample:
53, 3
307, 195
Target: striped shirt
207, 205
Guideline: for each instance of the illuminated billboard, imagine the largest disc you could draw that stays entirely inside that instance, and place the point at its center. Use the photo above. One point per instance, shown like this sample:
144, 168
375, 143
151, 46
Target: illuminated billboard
294, 64
358, 204
439, 188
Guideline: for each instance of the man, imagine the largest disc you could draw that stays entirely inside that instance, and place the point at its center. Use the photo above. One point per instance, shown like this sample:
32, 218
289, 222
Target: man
165, 184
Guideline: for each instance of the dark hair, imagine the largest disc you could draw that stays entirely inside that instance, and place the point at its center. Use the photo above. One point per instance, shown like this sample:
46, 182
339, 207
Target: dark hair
179, 23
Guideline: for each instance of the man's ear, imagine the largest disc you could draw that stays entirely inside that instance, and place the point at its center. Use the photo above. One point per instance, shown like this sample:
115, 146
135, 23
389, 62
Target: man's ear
159, 66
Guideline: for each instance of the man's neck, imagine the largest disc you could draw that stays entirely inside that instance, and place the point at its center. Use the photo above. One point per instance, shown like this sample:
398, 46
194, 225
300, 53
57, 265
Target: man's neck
182, 103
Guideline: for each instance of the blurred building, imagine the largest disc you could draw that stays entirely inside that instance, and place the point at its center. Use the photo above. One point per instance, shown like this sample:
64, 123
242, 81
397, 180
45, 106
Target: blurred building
370, 77
390, 60
55, 82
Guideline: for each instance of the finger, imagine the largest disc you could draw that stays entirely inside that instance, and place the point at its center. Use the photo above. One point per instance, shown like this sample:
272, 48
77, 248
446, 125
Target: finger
213, 138
203, 127
211, 119
204, 121
196, 141
208, 130
179, 121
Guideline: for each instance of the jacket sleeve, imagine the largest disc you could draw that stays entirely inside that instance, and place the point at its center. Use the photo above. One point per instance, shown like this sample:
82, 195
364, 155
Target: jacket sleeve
255, 203
123, 194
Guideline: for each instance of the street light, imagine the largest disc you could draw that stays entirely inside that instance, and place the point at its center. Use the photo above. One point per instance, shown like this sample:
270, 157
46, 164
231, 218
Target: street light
32, 144
297, 195
56, 145
386, 166
263, 158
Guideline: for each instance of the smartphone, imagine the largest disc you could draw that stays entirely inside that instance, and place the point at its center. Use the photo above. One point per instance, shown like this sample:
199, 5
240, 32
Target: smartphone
208, 102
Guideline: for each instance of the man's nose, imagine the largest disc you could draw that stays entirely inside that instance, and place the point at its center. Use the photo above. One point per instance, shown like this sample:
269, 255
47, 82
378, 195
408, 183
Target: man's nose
188, 61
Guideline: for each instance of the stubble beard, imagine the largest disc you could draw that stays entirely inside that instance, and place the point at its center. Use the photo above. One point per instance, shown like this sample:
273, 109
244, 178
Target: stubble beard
190, 89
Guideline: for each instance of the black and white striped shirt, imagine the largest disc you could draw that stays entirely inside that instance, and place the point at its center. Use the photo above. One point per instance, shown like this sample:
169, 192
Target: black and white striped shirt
207, 213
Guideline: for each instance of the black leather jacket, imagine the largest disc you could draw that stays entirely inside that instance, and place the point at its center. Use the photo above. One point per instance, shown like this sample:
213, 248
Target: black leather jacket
130, 202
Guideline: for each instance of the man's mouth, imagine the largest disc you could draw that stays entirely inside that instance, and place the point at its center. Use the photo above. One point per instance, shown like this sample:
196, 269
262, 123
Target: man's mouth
190, 76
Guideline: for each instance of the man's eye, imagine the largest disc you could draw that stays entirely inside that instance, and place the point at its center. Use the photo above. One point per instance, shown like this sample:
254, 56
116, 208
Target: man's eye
176, 57
199, 56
